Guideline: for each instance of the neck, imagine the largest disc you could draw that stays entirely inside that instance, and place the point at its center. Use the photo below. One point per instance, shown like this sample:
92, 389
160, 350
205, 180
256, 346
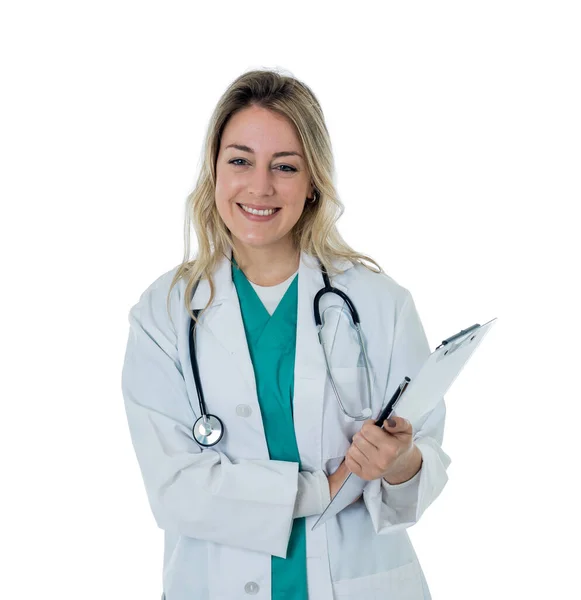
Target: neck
266, 266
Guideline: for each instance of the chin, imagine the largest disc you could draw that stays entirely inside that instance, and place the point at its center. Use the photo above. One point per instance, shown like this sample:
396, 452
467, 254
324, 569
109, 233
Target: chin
256, 241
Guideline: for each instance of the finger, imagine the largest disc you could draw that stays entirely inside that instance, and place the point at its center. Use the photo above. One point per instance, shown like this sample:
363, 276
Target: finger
371, 433
391, 422
377, 436
365, 469
358, 457
366, 447
385, 435
397, 425
352, 465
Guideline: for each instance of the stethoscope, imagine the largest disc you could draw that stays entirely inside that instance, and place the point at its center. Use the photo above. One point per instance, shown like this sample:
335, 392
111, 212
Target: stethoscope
209, 429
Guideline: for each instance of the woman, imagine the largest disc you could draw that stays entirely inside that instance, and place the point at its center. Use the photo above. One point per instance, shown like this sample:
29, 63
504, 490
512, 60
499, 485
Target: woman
238, 515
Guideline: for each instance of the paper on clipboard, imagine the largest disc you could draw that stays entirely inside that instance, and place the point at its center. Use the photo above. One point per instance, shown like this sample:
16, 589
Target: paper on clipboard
420, 397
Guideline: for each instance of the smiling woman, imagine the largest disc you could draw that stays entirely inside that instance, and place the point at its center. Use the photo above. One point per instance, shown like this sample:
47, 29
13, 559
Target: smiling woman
238, 515
267, 147
261, 197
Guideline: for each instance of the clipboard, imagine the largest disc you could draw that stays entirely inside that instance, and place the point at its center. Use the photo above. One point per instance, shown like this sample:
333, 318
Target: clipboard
417, 399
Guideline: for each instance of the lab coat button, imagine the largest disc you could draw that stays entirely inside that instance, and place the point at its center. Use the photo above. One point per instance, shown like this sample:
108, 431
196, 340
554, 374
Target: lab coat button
251, 588
243, 410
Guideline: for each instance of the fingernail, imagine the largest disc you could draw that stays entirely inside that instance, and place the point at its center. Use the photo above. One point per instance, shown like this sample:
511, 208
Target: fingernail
391, 422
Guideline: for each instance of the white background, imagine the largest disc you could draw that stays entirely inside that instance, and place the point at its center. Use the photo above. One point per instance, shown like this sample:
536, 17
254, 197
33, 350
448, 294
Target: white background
456, 132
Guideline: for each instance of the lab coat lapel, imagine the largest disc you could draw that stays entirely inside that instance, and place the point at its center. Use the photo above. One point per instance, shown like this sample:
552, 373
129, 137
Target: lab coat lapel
224, 319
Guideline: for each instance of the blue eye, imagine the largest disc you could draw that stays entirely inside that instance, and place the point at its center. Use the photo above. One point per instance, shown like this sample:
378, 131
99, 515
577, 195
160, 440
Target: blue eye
234, 160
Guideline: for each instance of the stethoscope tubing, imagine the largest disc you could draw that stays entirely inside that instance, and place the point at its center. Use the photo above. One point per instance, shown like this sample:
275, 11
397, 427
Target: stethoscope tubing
208, 429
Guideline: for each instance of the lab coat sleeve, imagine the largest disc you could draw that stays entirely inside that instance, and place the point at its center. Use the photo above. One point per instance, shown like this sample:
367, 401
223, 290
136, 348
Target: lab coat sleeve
394, 507
313, 494
201, 494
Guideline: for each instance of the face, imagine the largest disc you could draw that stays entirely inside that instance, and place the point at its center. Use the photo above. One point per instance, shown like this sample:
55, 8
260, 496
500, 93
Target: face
261, 166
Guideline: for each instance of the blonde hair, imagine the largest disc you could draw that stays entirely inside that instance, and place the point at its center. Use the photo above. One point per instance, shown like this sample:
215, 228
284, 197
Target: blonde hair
315, 232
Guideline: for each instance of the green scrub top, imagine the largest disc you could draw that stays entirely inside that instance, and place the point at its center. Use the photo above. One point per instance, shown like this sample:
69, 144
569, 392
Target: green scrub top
272, 343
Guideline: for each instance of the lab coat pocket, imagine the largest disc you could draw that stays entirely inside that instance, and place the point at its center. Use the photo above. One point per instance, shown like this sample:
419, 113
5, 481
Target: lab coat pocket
399, 583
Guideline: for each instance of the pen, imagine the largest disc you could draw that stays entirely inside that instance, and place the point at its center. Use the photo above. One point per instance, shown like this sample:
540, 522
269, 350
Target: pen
386, 412
457, 335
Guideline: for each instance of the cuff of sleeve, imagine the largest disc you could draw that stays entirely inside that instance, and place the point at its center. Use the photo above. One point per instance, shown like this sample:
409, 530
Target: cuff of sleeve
395, 507
404, 494
273, 480
313, 494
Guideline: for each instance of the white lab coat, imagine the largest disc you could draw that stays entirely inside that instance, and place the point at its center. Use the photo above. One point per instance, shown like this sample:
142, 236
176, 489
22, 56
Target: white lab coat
227, 509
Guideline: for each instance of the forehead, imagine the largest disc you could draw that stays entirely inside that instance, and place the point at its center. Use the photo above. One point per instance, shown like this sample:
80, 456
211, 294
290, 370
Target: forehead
260, 129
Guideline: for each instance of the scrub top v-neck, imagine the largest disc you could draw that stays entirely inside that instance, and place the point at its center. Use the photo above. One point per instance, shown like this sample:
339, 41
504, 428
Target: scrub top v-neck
272, 344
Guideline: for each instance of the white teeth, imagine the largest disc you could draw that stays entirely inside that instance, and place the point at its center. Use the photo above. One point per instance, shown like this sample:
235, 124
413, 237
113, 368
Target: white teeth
258, 212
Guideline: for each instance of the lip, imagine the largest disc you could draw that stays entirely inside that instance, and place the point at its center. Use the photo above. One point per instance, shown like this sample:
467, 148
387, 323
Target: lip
257, 207
252, 217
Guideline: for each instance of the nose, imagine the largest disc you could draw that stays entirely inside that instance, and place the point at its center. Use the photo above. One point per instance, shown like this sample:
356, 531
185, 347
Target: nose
260, 183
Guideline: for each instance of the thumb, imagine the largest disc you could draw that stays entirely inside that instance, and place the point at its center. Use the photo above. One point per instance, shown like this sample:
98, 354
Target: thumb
396, 424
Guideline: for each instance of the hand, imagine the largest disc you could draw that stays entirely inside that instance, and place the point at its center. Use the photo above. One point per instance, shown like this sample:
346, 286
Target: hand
387, 452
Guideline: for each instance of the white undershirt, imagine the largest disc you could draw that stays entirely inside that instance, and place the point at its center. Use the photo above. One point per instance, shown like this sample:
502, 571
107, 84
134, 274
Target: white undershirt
271, 295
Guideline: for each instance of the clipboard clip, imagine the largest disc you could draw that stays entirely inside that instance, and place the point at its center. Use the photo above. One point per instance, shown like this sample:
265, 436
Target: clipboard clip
457, 335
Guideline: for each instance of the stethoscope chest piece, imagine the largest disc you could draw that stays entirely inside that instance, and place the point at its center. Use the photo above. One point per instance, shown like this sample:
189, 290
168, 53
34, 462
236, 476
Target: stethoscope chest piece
208, 430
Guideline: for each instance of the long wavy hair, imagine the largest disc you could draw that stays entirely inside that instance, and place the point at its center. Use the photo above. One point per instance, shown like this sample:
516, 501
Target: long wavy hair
315, 232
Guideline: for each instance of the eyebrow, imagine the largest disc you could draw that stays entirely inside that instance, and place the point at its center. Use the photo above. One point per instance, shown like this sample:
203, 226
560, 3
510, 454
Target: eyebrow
275, 155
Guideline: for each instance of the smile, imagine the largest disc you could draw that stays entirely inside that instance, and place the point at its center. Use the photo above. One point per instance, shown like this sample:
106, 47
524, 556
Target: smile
254, 211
